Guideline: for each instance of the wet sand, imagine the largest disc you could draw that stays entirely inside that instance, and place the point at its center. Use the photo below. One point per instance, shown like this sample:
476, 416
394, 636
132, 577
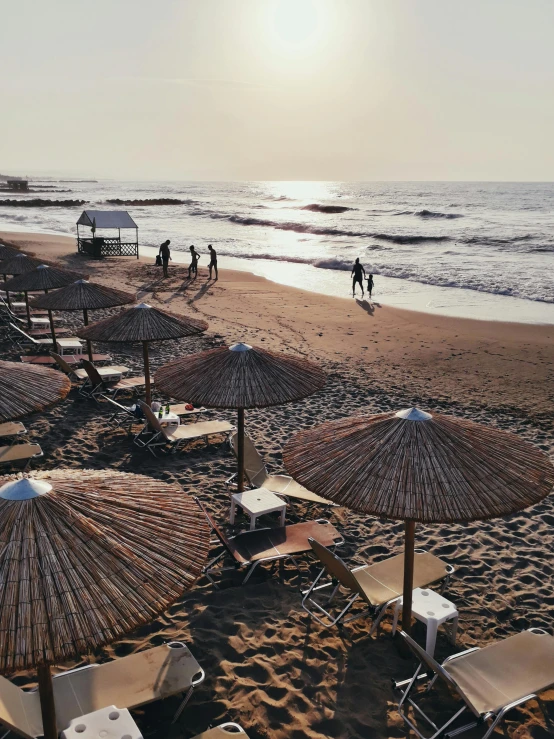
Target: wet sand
267, 665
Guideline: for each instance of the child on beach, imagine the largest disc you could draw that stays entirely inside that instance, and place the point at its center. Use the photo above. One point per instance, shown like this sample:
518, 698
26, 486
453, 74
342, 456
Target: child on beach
193, 266
370, 285
356, 274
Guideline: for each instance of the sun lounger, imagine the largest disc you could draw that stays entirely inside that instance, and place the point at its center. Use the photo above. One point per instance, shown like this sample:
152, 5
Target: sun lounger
122, 414
99, 385
155, 435
20, 453
127, 682
258, 476
12, 428
37, 333
378, 585
223, 731
491, 681
69, 358
21, 338
260, 546
108, 374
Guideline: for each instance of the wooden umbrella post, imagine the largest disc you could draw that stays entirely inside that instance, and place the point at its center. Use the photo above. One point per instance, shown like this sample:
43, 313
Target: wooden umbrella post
7, 295
52, 330
409, 544
89, 343
28, 309
47, 705
147, 391
240, 451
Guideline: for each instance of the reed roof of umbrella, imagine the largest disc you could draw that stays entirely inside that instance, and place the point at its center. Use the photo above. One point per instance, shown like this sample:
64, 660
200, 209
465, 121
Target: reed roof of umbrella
7, 252
19, 264
83, 295
240, 376
87, 556
142, 323
420, 467
43, 277
26, 388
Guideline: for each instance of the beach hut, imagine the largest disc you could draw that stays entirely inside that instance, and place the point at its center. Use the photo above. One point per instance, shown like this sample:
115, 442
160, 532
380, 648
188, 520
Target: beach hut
241, 377
107, 245
26, 388
143, 323
82, 295
87, 556
419, 467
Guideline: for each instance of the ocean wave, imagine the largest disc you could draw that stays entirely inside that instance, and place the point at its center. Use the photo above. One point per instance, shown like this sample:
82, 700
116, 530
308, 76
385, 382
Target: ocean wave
435, 214
409, 238
494, 241
151, 201
40, 203
317, 208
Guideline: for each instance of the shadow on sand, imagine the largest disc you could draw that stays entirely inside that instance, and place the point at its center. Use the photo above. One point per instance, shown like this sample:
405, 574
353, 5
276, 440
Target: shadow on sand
367, 306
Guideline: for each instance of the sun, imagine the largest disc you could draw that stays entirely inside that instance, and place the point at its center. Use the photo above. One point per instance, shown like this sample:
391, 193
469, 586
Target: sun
295, 22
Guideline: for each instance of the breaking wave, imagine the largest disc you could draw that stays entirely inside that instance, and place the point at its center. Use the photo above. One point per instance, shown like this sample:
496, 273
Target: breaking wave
317, 208
151, 201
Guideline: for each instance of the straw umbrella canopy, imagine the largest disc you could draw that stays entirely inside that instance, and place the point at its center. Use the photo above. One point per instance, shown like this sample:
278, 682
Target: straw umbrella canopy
85, 296
87, 556
417, 467
240, 376
7, 252
17, 264
26, 388
143, 323
44, 277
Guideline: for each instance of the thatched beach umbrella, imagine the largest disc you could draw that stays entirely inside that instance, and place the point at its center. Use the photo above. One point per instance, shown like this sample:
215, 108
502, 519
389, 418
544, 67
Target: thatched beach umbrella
26, 388
7, 252
240, 376
417, 467
44, 277
17, 264
87, 556
85, 296
143, 323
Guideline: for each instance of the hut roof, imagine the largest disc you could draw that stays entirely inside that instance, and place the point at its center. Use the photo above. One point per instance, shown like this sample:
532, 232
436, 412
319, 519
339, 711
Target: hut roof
83, 295
19, 264
106, 219
240, 376
421, 467
26, 388
43, 277
87, 556
142, 323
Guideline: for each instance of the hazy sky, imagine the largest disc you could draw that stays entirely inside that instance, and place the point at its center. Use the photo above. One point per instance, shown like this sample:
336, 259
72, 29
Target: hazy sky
278, 89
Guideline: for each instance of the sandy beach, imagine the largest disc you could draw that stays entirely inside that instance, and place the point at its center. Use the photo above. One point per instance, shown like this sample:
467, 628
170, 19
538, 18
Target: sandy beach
267, 665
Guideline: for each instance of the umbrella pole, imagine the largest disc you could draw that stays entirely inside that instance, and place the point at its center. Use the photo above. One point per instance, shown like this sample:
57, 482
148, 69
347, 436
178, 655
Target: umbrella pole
146, 373
28, 309
409, 544
52, 331
240, 451
89, 344
47, 705
8, 295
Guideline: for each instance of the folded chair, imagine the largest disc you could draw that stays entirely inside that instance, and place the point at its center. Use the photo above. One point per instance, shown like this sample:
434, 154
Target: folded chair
155, 435
261, 546
127, 682
258, 476
99, 384
378, 585
490, 681
108, 374
17, 453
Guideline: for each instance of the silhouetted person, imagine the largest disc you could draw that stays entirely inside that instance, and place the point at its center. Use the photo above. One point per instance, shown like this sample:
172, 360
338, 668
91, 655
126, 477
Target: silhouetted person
370, 285
193, 266
358, 272
213, 261
165, 255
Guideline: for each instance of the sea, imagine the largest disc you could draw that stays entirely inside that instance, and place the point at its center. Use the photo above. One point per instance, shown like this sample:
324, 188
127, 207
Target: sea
480, 250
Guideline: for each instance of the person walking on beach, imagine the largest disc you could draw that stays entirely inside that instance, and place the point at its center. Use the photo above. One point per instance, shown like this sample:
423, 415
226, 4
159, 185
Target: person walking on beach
370, 285
357, 272
213, 261
165, 255
193, 266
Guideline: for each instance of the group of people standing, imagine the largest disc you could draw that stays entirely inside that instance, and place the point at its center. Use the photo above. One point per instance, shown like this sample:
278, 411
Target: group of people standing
164, 255
358, 274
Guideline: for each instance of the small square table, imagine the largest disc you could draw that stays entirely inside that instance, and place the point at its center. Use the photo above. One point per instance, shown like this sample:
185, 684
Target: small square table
257, 503
72, 345
109, 723
433, 610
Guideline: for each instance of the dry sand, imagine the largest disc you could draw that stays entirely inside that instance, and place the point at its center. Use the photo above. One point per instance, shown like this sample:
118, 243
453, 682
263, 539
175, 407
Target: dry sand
268, 666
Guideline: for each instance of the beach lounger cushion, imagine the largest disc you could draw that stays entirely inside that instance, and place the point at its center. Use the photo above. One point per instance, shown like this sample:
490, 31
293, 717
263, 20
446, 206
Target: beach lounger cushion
20, 710
198, 430
19, 452
12, 428
251, 546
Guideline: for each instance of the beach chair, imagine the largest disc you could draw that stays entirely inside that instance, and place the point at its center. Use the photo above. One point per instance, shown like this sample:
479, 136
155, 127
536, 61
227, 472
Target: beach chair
12, 429
490, 681
223, 731
122, 414
17, 453
378, 585
257, 475
128, 682
248, 550
99, 385
69, 358
108, 374
22, 339
155, 435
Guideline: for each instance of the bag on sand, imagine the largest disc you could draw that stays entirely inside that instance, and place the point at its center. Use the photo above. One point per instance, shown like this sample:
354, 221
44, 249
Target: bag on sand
158, 261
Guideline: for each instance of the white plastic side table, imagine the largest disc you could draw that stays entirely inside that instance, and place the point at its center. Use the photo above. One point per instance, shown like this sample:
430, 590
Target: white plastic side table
69, 346
433, 610
257, 503
108, 723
